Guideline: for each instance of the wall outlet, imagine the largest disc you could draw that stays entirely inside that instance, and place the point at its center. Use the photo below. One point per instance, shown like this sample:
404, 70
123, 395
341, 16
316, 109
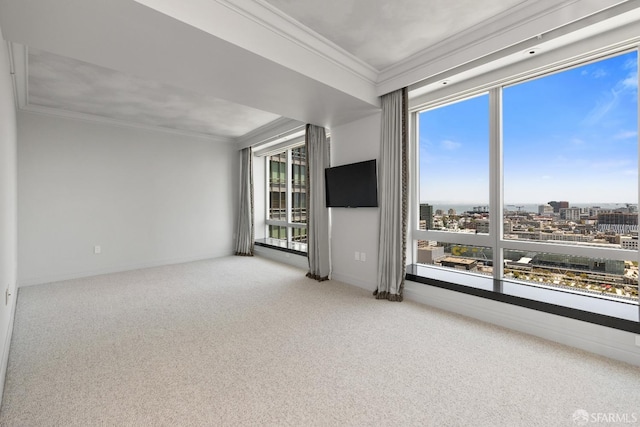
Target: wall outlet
363, 256
97, 249
357, 256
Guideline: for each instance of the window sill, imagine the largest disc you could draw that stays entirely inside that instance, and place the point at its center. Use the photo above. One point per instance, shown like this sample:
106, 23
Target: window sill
283, 246
618, 314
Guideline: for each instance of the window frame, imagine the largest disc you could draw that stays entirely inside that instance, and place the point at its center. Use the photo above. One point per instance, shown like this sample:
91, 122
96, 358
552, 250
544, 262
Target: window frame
495, 238
287, 223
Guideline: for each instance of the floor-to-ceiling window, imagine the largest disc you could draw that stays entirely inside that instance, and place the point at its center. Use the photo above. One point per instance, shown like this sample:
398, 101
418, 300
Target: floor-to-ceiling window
533, 185
287, 203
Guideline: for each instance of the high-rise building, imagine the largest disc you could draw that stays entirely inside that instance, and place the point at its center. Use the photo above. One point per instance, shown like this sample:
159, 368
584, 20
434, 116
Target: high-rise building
558, 205
426, 215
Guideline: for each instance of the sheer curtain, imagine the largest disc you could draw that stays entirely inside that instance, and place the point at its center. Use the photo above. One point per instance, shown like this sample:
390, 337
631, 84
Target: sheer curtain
393, 197
317, 148
244, 232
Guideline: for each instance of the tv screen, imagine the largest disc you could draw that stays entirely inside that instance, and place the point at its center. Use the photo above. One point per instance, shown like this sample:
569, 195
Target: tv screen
352, 186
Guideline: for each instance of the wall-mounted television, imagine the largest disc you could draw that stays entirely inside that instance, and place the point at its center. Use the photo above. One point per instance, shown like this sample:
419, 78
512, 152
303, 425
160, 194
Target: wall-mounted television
352, 186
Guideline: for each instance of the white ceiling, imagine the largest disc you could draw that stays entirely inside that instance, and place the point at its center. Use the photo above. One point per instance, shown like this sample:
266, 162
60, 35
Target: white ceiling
382, 33
75, 86
231, 68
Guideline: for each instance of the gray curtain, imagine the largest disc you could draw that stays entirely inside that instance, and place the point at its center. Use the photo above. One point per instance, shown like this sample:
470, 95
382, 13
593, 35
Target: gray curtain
393, 197
244, 232
317, 147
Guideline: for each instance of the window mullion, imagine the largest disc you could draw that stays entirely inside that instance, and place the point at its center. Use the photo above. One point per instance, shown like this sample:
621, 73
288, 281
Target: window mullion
638, 145
267, 192
288, 179
496, 205
414, 188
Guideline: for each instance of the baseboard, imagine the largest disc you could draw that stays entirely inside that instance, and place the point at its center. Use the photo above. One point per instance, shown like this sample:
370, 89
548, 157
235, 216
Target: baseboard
355, 281
601, 340
7, 345
30, 281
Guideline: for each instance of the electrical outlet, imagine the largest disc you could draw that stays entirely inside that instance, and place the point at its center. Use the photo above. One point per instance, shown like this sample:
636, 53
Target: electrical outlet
357, 256
363, 256
97, 249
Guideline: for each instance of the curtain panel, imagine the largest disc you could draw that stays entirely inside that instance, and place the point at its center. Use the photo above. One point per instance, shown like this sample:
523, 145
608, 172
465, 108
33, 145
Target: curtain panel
317, 147
245, 227
393, 197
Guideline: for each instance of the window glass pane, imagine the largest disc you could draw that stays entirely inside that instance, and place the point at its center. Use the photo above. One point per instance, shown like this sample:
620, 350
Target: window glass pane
278, 187
570, 156
299, 235
277, 232
298, 185
454, 166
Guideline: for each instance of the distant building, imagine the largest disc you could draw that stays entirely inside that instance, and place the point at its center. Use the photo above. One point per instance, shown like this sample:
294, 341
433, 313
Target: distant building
451, 212
426, 215
629, 242
430, 254
618, 222
580, 263
459, 263
482, 226
570, 214
545, 210
594, 211
558, 205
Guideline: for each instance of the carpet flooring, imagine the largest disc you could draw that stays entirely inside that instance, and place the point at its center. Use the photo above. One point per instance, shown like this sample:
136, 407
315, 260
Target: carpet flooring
248, 341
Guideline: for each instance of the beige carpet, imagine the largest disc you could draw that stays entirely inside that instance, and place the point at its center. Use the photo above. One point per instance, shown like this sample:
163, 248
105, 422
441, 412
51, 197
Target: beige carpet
247, 341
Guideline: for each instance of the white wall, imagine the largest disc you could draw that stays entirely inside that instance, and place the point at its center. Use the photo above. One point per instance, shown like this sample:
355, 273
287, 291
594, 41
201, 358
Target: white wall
355, 230
146, 197
8, 207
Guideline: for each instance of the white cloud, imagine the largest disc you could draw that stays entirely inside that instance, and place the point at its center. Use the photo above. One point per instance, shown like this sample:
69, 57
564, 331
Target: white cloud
599, 73
624, 86
610, 164
630, 63
447, 144
626, 134
631, 81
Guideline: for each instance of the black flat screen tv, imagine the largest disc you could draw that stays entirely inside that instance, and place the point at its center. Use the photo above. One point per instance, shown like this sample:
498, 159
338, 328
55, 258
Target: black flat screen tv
352, 186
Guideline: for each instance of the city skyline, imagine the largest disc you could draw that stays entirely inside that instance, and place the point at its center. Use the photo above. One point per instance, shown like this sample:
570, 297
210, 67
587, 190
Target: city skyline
573, 133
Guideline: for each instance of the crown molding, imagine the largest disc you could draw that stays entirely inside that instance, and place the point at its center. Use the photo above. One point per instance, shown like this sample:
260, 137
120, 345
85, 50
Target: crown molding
527, 21
272, 18
278, 129
257, 27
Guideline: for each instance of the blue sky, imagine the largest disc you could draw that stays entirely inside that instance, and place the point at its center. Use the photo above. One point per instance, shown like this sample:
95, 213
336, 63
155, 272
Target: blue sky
570, 136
